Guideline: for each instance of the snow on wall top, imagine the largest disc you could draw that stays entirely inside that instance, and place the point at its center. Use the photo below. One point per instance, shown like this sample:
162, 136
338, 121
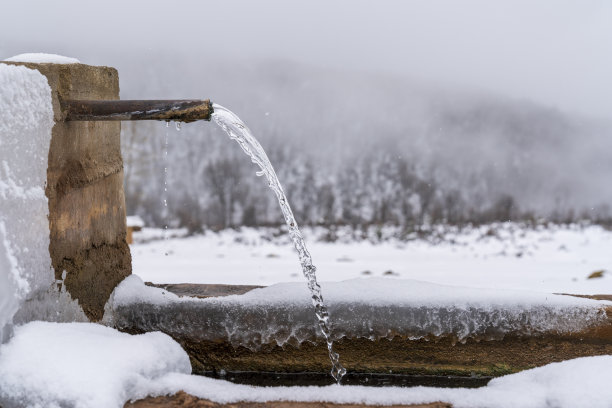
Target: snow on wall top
369, 308
26, 119
42, 58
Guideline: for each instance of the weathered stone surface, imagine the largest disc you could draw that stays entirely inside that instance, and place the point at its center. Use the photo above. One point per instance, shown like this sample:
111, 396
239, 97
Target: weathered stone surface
85, 189
184, 400
399, 356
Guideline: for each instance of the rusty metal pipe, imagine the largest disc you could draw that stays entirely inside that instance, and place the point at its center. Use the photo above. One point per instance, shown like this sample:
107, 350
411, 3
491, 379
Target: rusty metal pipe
176, 110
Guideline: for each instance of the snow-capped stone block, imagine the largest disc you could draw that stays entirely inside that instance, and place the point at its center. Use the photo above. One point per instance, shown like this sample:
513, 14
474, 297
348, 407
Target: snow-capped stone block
85, 188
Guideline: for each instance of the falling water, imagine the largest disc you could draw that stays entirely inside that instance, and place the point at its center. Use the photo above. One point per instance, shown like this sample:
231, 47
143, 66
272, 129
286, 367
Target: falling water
238, 131
165, 194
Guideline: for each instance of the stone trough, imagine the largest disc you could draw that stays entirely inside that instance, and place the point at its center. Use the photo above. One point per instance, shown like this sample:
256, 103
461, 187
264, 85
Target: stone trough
269, 335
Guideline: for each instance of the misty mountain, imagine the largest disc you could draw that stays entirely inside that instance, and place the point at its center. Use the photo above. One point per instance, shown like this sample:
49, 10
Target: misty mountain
355, 147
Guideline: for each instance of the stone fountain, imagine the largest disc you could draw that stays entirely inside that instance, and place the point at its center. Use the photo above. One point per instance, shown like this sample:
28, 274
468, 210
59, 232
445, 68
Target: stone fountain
228, 338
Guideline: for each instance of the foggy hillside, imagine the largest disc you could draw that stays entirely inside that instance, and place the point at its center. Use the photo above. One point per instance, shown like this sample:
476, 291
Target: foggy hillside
354, 147
359, 148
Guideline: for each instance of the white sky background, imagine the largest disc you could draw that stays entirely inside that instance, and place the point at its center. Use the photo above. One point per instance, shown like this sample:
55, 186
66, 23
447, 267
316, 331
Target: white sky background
557, 52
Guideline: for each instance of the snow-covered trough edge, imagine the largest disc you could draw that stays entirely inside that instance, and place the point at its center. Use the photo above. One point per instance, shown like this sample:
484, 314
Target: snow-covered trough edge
361, 308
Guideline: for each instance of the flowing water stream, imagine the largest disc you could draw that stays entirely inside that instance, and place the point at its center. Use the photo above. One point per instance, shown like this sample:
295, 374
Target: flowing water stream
165, 193
238, 131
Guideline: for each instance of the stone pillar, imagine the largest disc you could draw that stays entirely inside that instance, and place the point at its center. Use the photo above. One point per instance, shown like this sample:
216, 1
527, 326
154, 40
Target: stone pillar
85, 189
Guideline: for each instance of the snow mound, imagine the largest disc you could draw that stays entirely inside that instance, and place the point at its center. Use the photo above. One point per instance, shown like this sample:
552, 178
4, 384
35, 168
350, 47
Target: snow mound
582, 382
26, 119
82, 365
360, 308
42, 58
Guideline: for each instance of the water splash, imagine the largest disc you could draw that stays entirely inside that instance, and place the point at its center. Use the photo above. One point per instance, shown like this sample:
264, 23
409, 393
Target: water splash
238, 131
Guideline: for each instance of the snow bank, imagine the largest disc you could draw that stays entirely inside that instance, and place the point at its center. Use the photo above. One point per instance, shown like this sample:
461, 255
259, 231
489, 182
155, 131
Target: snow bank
106, 368
82, 365
583, 382
42, 58
359, 308
26, 119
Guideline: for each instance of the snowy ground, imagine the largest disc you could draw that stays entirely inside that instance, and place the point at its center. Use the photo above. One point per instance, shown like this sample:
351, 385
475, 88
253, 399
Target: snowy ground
556, 259
105, 368
90, 366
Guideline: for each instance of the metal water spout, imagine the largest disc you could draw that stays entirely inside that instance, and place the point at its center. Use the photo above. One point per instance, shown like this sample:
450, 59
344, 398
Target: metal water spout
188, 110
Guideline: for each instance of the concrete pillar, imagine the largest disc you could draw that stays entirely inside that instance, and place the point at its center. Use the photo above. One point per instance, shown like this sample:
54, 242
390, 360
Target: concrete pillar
85, 189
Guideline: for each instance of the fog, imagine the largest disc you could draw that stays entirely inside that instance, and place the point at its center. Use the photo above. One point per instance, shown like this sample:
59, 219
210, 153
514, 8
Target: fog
381, 148
471, 110
555, 52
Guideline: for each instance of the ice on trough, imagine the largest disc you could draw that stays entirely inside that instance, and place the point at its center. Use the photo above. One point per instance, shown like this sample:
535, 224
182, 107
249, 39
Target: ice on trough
374, 308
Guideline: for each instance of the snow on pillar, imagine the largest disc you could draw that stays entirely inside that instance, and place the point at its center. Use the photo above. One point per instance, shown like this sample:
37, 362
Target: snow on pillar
85, 189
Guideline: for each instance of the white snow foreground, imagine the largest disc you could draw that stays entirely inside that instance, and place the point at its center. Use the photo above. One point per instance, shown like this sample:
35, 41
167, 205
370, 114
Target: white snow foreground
43, 58
26, 119
85, 365
359, 308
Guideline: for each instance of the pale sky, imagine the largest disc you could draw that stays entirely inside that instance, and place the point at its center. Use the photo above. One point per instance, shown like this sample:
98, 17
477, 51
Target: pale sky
554, 52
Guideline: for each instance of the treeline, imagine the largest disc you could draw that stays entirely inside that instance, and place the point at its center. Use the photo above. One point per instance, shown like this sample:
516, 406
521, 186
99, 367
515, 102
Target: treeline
358, 149
205, 181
